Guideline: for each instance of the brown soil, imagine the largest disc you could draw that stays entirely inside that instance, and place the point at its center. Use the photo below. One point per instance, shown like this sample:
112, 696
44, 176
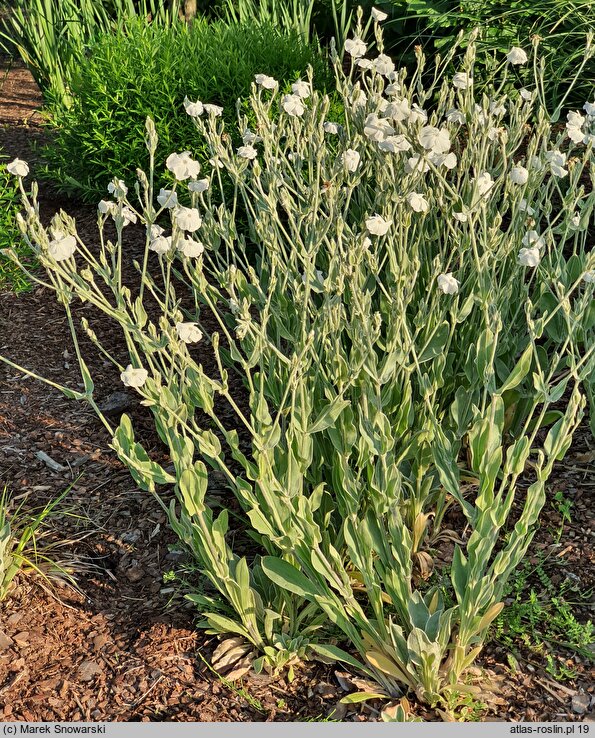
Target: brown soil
125, 647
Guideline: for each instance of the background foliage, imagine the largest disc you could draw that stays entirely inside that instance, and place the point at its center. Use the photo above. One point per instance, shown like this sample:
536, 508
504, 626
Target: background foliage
101, 135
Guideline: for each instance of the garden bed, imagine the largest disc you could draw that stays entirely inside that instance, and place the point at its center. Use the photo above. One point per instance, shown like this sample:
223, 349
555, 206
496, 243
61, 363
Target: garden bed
125, 647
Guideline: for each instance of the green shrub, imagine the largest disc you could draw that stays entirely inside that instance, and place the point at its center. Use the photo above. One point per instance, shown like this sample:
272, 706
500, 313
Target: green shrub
422, 298
148, 71
561, 26
51, 36
11, 276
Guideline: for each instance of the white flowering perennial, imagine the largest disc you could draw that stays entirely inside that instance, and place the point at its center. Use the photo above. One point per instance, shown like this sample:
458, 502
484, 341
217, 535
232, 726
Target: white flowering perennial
448, 284
188, 219
18, 167
266, 82
188, 332
355, 47
519, 175
461, 80
385, 295
193, 109
167, 198
377, 225
418, 202
118, 189
182, 166
293, 105
62, 247
517, 56
350, 160
134, 377
247, 152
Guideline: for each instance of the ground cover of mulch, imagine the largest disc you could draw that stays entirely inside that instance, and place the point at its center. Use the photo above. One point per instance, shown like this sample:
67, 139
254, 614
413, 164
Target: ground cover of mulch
125, 646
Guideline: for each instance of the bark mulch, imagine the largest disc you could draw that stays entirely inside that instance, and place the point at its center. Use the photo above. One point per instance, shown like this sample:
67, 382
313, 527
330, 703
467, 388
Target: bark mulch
124, 646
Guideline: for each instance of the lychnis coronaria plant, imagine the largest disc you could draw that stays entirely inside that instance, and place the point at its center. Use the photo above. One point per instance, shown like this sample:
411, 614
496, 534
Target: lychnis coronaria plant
406, 291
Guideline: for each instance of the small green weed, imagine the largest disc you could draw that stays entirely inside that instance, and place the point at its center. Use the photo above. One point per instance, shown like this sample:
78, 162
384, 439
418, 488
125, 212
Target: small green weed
22, 544
239, 691
543, 621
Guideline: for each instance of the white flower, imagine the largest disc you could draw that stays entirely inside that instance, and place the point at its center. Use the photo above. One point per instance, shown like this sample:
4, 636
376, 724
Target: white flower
193, 109
62, 247
575, 134
517, 56
190, 248
155, 231
378, 15
161, 244
365, 63
377, 129
128, 215
301, 89
216, 163
574, 126
526, 208
292, 105
393, 89
377, 226
188, 219
417, 115
575, 119
527, 95
249, 138
589, 108
533, 239
394, 143
460, 216
575, 222
398, 110
107, 207
234, 306
434, 139
484, 183
443, 160
167, 198
355, 47
497, 108
383, 64
589, 276
413, 164
182, 166
350, 159
263, 80
519, 175
494, 132
247, 152
200, 185
215, 110
117, 188
455, 116
556, 159
188, 332
529, 257
418, 202
461, 80
18, 167
448, 284
134, 377
329, 127
319, 276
